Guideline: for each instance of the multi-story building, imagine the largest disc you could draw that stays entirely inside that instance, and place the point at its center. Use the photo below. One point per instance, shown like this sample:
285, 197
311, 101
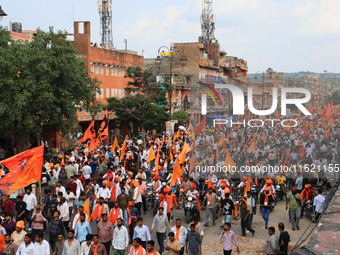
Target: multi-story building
108, 66
193, 72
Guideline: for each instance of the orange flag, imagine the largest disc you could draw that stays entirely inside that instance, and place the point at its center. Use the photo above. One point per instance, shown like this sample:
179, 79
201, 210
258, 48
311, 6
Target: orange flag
123, 149
177, 135
30, 174
229, 162
151, 156
177, 172
200, 126
114, 145
247, 188
185, 150
171, 157
328, 111
192, 163
157, 158
103, 131
15, 165
88, 133
86, 206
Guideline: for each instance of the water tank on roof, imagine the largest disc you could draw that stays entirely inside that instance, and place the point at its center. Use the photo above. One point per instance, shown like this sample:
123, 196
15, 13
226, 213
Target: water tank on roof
17, 27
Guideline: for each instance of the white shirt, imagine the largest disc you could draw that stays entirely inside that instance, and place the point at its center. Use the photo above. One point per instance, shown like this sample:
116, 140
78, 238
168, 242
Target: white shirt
120, 238
23, 250
318, 203
182, 234
138, 199
31, 201
69, 198
80, 188
64, 212
60, 189
43, 248
84, 248
86, 172
104, 193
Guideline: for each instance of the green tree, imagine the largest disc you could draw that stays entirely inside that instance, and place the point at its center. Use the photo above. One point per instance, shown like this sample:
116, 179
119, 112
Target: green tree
140, 111
335, 97
42, 84
181, 116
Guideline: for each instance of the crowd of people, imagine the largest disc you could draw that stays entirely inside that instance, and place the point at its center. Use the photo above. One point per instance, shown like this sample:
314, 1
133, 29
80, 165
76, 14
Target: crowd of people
97, 198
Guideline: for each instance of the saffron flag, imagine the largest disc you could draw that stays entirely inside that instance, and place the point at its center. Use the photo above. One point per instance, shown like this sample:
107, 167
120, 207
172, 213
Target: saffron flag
177, 172
30, 174
185, 150
114, 145
200, 126
123, 149
88, 133
328, 111
151, 155
157, 158
86, 206
229, 162
18, 162
95, 142
247, 188
171, 157
103, 131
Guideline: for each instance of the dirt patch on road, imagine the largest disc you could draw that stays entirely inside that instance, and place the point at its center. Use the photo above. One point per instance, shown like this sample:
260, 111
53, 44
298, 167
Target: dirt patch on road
247, 246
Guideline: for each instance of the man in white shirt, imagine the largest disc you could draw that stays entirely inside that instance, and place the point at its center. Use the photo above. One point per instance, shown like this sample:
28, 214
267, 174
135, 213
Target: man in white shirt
104, 192
85, 246
180, 234
31, 201
60, 188
64, 213
120, 241
41, 246
27, 247
86, 171
142, 231
319, 203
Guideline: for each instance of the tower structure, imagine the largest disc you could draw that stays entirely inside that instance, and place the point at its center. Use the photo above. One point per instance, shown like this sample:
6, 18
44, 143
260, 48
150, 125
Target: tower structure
208, 21
105, 15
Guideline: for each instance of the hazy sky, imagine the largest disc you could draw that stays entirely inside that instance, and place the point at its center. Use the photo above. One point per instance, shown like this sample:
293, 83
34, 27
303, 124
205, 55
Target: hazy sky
287, 35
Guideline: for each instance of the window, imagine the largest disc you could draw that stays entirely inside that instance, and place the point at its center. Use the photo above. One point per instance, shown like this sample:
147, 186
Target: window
97, 69
107, 69
112, 71
107, 93
112, 92
92, 67
102, 93
116, 70
97, 95
101, 69
116, 93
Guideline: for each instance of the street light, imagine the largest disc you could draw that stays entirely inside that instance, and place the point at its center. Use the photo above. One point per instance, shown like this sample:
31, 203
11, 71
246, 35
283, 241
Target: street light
2, 13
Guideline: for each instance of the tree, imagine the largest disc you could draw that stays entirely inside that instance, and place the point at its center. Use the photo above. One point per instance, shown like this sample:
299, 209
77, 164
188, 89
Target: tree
144, 82
42, 84
335, 97
181, 116
140, 111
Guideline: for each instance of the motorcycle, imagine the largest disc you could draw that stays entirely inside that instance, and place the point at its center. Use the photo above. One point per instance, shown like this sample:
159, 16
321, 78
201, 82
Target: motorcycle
181, 197
310, 210
238, 206
156, 203
150, 196
191, 209
279, 193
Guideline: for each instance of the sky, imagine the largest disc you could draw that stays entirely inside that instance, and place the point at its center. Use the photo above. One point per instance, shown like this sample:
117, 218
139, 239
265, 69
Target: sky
286, 35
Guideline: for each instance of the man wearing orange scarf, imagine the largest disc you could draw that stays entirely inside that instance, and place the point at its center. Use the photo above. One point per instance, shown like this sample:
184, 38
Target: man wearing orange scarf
266, 202
97, 248
180, 234
137, 248
211, 204
244, 211
115, 213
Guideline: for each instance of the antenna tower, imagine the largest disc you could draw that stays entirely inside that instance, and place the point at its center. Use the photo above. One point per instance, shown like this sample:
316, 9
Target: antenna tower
105, 15
207, 24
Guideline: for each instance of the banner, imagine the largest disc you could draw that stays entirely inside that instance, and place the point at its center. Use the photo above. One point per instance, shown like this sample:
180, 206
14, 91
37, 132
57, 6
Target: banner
17, 163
